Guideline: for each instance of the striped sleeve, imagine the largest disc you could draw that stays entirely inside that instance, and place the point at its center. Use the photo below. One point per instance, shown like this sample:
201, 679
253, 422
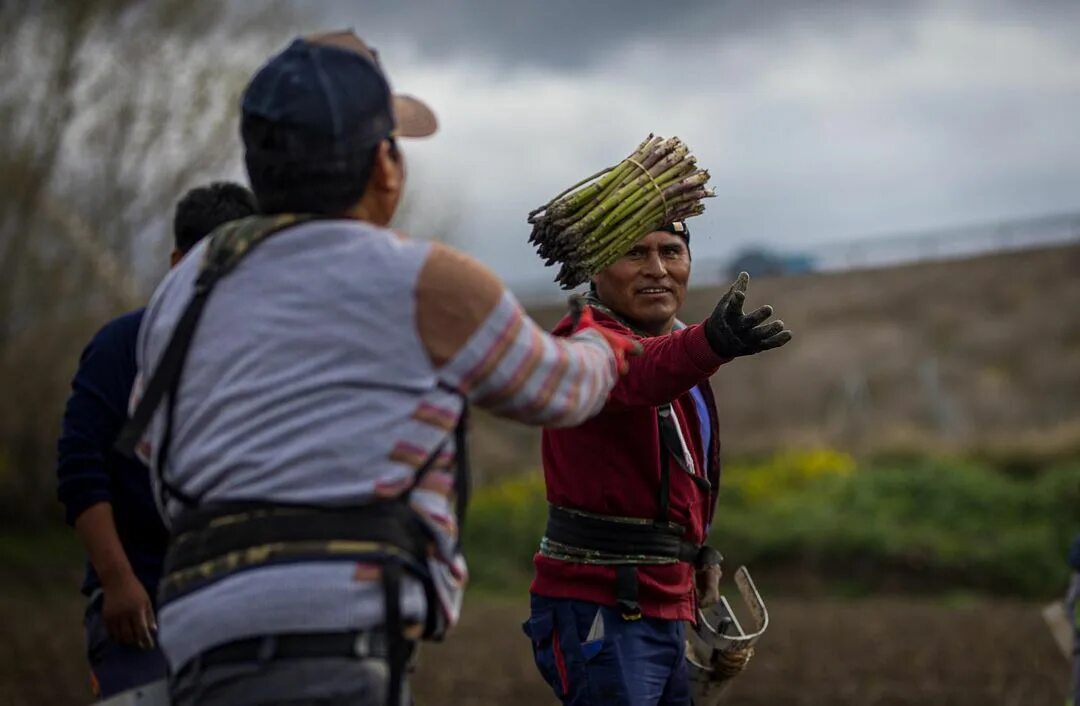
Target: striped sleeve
516, 370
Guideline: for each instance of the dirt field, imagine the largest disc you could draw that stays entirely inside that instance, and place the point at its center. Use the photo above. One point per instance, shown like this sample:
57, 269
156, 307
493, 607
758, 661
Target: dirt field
869, 652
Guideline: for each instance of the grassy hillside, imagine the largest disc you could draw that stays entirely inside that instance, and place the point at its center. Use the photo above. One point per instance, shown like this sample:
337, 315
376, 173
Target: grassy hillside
979, 355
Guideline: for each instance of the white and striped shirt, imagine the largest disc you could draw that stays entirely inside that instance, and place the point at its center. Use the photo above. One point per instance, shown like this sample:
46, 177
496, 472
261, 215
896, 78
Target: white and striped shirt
325, 370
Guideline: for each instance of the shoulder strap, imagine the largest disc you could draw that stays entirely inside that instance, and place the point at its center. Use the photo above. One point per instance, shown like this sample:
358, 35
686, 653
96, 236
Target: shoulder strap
228, 245
462, 474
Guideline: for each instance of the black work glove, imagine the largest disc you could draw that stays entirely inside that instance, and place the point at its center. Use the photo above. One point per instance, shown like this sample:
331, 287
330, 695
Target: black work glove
732, 333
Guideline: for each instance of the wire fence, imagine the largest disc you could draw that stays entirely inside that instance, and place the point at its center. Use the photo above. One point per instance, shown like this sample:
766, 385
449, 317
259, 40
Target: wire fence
886, 250
909, 247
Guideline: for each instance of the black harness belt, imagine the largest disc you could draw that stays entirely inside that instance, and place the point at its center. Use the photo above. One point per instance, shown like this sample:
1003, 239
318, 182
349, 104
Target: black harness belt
623, 542
355, 643
215, 541
588, 538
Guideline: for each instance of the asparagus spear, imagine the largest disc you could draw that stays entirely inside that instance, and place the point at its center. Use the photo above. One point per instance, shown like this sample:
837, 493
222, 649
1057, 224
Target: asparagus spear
591, 224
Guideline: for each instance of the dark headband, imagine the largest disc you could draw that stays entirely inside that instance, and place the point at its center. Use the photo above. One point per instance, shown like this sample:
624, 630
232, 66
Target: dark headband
678, 228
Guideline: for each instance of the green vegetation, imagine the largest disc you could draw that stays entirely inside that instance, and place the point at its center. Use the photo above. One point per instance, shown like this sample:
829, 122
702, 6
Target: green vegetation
924, 524
952, 527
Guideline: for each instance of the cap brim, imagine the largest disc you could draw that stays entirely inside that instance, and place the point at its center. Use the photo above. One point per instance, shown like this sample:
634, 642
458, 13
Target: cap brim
412, 118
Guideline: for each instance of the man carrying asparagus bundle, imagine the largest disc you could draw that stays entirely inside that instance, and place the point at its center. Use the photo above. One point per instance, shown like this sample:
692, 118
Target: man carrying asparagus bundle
631, 491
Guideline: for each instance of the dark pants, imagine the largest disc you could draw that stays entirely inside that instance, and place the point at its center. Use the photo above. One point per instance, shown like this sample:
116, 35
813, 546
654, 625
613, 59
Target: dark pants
116, 667
590, 655
322, 681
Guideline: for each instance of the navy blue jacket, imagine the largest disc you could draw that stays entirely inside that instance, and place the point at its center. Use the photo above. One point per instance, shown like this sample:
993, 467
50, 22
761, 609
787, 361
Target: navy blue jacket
1074, 554
90, 471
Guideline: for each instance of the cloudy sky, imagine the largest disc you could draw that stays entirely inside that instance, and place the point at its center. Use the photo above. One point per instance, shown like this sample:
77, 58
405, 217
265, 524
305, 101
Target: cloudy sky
819, 121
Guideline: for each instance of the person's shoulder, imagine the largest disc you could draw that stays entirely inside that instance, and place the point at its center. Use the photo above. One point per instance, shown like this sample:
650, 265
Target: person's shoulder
120, 331
608, 320
344, 238
453, 272
601, 318
180, 279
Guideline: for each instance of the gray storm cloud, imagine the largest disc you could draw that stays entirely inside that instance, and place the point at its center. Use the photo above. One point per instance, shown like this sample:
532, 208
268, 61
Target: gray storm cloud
818, 121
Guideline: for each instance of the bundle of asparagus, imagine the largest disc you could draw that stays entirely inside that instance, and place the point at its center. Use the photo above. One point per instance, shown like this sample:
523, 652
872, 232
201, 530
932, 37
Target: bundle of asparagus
596, 221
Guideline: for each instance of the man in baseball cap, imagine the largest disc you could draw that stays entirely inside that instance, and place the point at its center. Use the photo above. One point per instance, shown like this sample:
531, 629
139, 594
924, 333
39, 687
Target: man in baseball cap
313, 115
304, 377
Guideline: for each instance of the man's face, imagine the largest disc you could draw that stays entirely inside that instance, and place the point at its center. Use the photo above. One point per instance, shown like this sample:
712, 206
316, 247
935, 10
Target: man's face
648, 284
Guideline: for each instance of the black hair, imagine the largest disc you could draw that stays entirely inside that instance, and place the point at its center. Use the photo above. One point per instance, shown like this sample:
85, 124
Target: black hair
204, 208
294, 172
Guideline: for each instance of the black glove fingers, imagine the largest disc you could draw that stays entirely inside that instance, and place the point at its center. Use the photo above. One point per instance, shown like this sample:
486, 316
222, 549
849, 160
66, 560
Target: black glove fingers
733, 311
731, 333
761, 333
756, 317
741, 281
775, 341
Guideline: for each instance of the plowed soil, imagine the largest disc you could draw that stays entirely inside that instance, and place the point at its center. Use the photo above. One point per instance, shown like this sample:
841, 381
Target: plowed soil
865, 652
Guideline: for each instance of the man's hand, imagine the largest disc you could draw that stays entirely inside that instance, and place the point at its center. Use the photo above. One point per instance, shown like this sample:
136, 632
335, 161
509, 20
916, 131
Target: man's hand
622, 347
126, 609
707, 582
732, 333
128, 612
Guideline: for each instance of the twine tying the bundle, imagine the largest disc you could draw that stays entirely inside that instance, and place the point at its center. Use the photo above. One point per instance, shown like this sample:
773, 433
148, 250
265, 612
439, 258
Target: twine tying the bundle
653, 181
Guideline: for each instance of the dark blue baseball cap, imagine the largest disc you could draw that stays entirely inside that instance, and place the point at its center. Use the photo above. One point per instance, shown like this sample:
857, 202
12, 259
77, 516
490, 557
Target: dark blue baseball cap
329, 96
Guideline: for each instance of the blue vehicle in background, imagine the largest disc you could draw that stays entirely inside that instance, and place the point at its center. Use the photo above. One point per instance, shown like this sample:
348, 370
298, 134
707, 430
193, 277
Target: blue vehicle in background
763, 262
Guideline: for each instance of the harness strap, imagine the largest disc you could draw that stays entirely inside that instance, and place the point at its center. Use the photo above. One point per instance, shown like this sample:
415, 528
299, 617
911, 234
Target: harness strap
353, 643
397, 646
626, 591
626, 543
663, 501
227, 246
213, 543
671, 439
629, 539
165, 488
587, 538
462, 474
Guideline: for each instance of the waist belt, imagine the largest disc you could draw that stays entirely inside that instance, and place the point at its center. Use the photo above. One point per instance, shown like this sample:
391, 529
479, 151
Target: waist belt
212, 542
217, 541
358, 644
587, 538
622, 542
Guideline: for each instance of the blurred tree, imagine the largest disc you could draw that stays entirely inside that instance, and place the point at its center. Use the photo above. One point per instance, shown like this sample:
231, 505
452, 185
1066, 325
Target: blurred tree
108, 110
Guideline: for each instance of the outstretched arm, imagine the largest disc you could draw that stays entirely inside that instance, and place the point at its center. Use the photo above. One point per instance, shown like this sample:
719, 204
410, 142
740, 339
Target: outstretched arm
668, 366
484, 345
672, 364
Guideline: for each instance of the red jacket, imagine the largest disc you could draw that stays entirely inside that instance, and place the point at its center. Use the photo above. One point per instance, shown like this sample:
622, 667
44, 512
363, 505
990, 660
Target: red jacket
610, 465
